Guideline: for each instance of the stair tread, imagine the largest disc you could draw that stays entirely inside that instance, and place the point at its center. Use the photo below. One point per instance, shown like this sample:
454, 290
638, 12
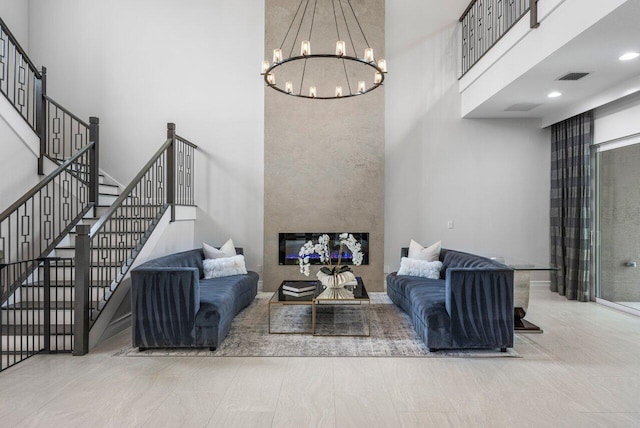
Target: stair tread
66, 283
70, 247
37, 329
38, 305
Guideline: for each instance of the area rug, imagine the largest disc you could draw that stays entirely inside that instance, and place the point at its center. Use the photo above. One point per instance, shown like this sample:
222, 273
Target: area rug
392, 335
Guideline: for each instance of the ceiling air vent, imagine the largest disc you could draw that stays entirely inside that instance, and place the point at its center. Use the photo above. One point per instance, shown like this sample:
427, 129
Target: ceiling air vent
522, 107
573, 76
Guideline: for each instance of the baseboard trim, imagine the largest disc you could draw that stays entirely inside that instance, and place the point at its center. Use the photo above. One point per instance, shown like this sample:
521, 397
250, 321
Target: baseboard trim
618, 307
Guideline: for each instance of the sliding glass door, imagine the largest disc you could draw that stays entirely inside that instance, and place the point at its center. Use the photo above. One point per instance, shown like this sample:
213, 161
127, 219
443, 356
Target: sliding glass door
618, 224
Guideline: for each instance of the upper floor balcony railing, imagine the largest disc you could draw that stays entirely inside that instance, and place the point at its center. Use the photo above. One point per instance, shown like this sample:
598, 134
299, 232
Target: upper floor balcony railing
484, 22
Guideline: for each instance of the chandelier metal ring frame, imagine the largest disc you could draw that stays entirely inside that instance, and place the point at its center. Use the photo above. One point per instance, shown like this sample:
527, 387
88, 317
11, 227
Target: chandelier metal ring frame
379, 66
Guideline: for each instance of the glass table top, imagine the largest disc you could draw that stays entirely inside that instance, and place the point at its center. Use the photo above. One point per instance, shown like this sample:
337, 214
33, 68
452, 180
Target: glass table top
532, 267
307, 297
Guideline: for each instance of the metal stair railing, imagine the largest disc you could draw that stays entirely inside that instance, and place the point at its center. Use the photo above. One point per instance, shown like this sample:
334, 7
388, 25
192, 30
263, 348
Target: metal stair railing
20, 80
36, 223
36, 318
106, 251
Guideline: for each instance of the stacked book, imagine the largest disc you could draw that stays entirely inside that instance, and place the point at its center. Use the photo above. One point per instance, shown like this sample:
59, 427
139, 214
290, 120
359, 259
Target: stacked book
298, 289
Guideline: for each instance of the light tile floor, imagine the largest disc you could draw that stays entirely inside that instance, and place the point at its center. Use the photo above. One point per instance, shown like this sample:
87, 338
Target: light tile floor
583, 371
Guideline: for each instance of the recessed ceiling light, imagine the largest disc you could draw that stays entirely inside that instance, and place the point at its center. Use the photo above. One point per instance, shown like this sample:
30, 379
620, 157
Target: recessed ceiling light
554, 94
629, 56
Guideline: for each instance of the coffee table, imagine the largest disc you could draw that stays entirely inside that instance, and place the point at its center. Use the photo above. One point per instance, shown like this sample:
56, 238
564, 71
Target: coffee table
285, 302
305, 310
342, 307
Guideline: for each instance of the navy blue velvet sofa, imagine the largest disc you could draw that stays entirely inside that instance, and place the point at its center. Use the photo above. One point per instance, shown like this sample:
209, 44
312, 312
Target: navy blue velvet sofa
469, 307
173, 306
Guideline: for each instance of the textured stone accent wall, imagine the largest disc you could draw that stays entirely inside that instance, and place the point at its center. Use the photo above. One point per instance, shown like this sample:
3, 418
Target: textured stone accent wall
324, 159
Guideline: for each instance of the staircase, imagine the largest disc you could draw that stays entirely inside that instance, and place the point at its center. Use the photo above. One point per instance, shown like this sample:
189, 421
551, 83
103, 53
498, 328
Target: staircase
68, 244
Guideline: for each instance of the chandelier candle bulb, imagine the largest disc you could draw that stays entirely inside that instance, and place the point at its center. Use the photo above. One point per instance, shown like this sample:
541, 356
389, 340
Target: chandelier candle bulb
312, 91
265, 66
368, 54
271, 79
377, 78
341, 48
277, 55
382, 65
338, 91
288, 87
305, 48
362, 87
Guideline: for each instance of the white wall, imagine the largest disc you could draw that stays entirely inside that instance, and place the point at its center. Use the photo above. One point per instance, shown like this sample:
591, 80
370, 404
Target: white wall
140, 64
618, 119
15, 13
490, 177
18, 165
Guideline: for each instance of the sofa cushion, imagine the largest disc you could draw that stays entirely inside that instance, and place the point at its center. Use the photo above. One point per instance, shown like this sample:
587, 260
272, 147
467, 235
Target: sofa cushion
227, 250
424, 269
225, 266
224, 297
428, 254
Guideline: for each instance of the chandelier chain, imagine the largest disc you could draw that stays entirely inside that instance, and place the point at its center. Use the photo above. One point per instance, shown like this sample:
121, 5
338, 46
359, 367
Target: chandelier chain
295, 41
304, 68
353, 45
335, 18
313, 18
358, 22
346, 75
291, 25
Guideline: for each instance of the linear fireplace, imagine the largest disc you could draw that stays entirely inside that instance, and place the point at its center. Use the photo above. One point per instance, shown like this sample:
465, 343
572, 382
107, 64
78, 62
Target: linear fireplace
290, 244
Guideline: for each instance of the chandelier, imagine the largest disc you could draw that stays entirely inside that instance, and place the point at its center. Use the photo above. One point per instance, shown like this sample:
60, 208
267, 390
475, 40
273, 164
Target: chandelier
328, 74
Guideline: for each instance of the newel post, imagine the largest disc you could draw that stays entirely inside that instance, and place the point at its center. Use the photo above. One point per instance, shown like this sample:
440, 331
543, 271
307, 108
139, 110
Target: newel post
94, 160
534, 14
171, 165
41, 116
82, 271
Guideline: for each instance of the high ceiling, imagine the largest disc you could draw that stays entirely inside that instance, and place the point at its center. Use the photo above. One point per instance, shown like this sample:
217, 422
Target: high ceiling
595, 51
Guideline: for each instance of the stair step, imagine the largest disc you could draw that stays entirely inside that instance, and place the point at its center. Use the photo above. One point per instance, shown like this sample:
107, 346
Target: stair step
105, 199
96, 254
37, 329
108, 189
23, 344
58, 294
37, 305
35, 316
62, 284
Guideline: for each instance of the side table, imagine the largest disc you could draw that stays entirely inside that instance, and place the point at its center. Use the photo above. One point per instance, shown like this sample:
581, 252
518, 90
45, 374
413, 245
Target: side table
521, 290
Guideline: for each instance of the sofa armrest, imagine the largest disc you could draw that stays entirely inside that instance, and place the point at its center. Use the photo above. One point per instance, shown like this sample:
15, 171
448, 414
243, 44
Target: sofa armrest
164, 304
480, 305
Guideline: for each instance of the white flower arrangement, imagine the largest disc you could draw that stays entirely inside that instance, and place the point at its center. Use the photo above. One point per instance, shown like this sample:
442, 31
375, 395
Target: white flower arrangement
322, 249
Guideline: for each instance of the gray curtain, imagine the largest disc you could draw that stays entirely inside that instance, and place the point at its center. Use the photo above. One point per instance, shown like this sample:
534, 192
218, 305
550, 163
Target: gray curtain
571, 206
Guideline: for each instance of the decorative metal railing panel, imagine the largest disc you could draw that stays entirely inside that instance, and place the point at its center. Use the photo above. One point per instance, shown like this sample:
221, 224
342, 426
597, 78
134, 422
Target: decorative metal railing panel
38, 316
123, 230
20, 80
36, 223
484, 23
106, 251
66, 134
185, 152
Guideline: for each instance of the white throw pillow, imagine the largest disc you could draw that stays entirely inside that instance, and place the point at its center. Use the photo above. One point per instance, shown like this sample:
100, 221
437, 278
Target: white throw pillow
413, 267
226, 266
227, 250
429, 254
